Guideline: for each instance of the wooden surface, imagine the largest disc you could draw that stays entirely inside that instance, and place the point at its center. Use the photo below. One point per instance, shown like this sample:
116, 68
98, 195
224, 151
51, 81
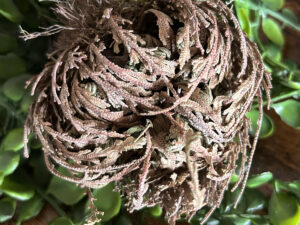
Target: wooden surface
279, 154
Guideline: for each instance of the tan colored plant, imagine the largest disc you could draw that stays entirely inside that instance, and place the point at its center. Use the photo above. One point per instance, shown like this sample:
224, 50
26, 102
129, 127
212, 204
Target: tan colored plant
151, 94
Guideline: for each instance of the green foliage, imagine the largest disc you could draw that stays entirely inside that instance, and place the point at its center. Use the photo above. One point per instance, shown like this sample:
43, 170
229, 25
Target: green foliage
270, 17
9, 10
14, 87
284, 209
260, 179
65, 191
29, 209
13, 141
11, 65
7, 209
123, 220
243, 14
267, 127
293, 80
40, 174
273, 4
7, 43
79, 212
235, 220
9, 161
251, 202
61, 221
292, 187
266, 10
289, 112
18, 186
273, 52
155, 211
255, 201
108, 201
273, 31
25, 103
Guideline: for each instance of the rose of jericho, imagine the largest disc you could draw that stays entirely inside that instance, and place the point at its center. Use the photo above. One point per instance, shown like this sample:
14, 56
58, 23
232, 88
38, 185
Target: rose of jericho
151, 95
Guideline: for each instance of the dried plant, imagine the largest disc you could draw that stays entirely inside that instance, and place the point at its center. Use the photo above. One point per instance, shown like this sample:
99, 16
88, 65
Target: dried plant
151, 94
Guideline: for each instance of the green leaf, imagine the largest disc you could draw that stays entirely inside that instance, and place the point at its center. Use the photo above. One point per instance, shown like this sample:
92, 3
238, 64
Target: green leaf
79, 212
291, 64
267, 127
18, 186
7, 209
14, 88
260, 221
273, 31
9, 161
243, 15
65, 191
7, 43
135, 129
229, 201
155, 211
123, 220
13, 141
259, 179
212, 221
11, 65
273, 4
29, 209
3, 119
234, 178
255, 200
10, 11
284, 209
40, 174
256, 219
294, 80
26, 101
35, 143
273, 52
258, 8
1, 180
234, 220
107, 201
293, 187
61, 221
198, 217
251, 201
289, 112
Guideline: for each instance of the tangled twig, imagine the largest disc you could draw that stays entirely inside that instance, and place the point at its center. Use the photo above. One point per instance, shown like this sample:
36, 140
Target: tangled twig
152, 95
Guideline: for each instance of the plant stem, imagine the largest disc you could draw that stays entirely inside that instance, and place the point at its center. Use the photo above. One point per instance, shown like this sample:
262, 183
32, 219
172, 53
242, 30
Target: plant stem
255, 30
54, 204
279, 98
253, 6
